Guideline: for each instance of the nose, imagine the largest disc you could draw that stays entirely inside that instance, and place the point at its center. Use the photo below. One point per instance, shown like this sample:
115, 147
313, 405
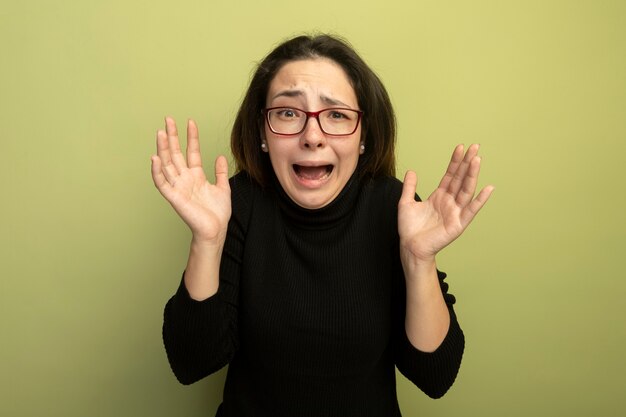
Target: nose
312, 136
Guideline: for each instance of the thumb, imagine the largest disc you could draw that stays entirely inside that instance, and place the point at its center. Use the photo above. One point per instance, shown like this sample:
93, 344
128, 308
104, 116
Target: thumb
221, 172
408, 188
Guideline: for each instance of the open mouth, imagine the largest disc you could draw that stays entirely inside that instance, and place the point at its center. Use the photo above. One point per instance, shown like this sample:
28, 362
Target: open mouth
313, 173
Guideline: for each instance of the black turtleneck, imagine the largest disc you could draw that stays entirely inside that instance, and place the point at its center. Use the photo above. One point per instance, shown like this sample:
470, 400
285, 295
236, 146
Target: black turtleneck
309, 314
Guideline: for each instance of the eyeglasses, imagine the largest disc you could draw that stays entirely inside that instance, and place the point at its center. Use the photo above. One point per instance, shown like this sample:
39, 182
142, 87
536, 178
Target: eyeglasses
291, 121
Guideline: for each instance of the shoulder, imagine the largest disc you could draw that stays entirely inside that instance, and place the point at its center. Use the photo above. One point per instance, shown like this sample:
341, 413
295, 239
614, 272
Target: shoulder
242, 182
243, 187
387, 189
379, 198
244, 191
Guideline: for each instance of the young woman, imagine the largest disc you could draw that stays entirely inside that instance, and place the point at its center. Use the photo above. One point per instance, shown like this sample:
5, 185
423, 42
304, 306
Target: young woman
312, 272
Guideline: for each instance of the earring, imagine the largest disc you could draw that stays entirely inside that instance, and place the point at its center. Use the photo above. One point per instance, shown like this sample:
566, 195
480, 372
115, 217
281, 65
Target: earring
362, 148
264, 147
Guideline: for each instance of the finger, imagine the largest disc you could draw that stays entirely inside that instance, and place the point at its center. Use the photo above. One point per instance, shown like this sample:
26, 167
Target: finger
165, 159
455, 161
221, 173
468, 187
176, 154
459, 175
194, 158
158, 177
408, 188
472, 209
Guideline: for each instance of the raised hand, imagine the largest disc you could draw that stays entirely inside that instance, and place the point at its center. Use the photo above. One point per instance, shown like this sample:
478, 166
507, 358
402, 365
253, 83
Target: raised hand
429, 226
203, 206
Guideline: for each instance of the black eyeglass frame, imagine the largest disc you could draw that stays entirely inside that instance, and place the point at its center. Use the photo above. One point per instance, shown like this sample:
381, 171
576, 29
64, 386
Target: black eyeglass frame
314, 114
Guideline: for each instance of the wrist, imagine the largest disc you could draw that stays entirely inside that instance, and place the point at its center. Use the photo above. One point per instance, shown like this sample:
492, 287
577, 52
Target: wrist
417, 266
200, 240
410, 255
202, 245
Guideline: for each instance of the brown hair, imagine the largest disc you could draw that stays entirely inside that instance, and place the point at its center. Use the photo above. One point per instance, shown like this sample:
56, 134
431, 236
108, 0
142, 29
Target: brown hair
378, 132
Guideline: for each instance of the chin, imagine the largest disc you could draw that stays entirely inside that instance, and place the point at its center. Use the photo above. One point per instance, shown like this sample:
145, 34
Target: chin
312, 202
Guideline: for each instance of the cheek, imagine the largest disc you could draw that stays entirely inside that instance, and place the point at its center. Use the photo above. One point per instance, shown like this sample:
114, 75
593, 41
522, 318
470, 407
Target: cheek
278, 153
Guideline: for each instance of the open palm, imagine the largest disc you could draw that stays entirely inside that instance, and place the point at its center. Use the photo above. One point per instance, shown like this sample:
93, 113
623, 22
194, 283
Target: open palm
428, 226
205, 207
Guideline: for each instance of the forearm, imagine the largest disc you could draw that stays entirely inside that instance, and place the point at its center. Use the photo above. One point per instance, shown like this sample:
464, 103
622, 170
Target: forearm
199, 327
203, 265
427, 317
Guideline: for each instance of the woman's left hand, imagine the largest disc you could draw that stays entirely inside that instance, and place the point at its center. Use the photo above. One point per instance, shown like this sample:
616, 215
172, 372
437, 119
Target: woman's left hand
428, 226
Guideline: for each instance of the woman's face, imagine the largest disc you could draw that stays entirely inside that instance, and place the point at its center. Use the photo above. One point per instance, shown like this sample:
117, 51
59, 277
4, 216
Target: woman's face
312, 167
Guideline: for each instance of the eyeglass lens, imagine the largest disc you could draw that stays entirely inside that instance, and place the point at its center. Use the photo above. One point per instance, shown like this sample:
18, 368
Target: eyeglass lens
335, 121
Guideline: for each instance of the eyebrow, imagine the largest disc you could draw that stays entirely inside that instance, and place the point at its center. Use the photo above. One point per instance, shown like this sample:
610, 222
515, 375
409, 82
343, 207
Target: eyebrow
300, 93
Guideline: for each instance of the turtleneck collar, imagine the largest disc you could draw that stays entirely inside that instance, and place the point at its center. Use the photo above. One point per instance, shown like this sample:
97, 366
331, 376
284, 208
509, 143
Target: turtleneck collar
325, 217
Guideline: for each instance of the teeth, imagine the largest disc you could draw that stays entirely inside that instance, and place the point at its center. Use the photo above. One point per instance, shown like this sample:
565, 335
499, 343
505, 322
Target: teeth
314, 172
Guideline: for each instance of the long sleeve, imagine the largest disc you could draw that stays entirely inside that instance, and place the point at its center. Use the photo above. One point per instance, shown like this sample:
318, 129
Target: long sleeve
200, 337
433, 372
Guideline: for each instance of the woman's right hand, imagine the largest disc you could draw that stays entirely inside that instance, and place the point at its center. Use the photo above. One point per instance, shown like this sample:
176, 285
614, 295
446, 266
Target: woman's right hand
205, 207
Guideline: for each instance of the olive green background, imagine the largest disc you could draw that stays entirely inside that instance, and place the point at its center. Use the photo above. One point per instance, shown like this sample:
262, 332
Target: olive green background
90, 252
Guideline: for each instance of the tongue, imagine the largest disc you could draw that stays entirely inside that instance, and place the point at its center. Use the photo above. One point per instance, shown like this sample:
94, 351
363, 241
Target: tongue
312, 173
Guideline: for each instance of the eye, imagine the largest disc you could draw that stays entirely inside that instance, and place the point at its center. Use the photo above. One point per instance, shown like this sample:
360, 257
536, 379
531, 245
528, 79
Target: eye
336, 114
287, 113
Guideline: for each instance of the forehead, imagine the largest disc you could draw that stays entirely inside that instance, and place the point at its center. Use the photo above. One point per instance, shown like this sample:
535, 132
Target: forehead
312, 79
